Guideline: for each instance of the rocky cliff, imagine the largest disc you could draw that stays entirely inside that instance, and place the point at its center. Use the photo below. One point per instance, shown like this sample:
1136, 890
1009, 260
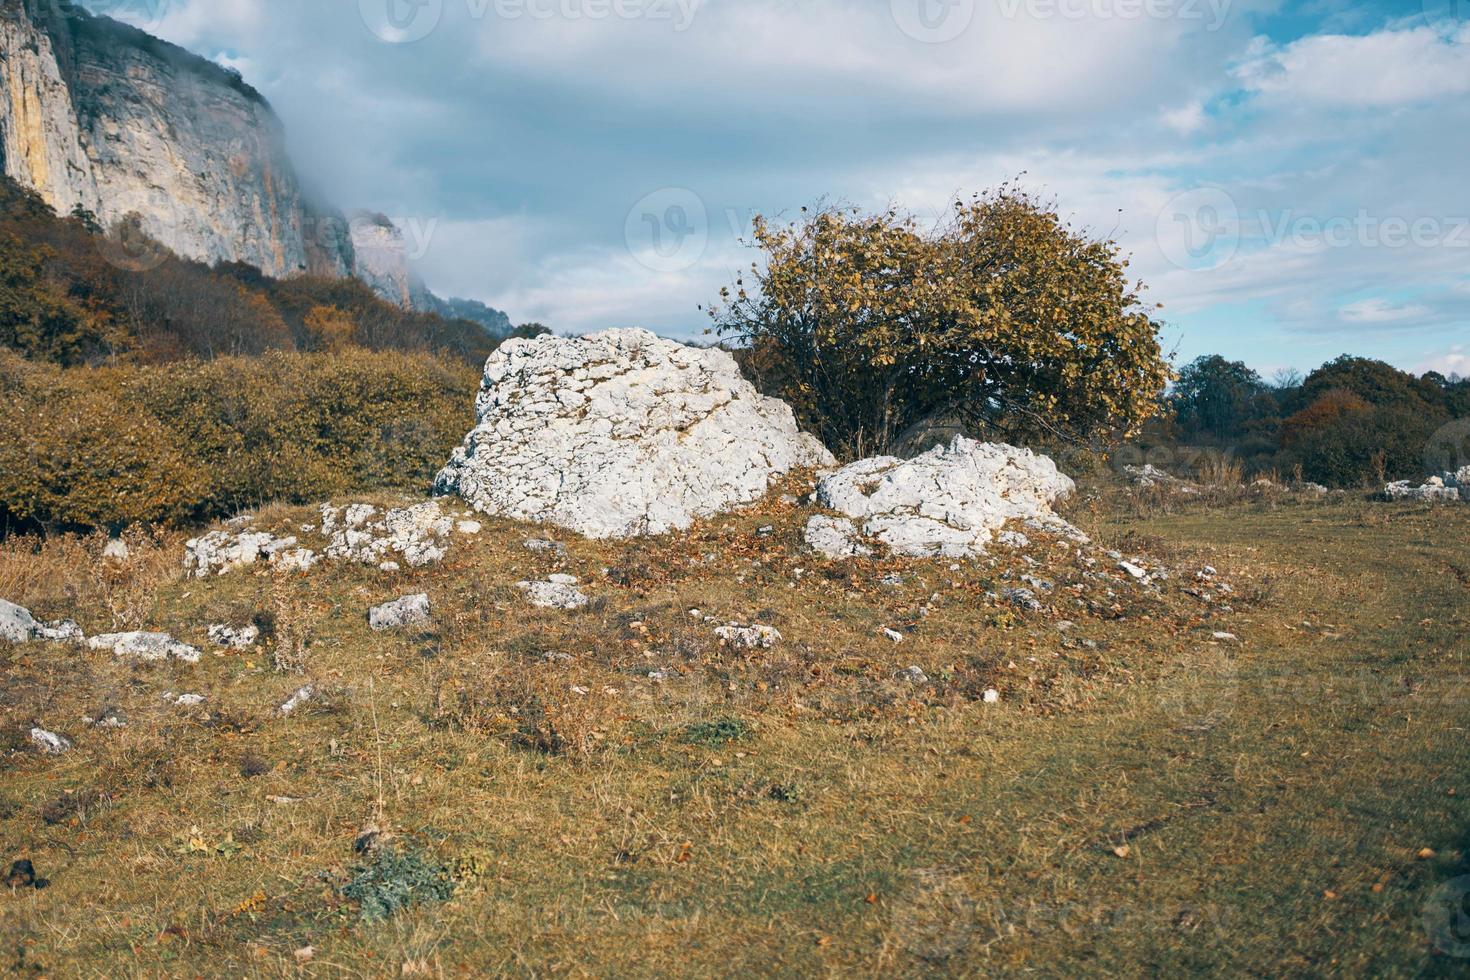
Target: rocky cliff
101, 116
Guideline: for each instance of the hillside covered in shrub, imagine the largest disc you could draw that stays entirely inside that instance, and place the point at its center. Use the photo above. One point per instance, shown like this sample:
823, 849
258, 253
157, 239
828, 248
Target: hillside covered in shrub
73, 296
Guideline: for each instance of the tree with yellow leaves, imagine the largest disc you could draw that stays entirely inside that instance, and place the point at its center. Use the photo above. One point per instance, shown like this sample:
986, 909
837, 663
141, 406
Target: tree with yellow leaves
1004, 319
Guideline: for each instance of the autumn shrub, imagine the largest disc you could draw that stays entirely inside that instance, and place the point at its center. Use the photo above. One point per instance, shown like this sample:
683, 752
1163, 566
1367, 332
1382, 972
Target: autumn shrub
1004, 320
194, 440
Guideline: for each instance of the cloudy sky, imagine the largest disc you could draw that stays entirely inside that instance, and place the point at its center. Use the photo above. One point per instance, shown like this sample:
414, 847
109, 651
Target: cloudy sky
1290, 179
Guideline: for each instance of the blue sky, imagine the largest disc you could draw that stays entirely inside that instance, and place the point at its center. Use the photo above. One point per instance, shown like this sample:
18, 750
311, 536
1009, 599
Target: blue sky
1290, 180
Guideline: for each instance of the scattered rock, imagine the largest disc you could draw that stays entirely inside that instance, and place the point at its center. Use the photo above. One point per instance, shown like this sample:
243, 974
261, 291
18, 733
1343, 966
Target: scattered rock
1225, 637
417, 534
186, 700
1149, 475
756, 637
145, 646
222, 552
992, 696
233, 638
542, 545
1013, 539
17, 625
469, 528
891, 581
554, 595
116, 550
411, 610
50, 743
301, 696
1133, 570
914, 675
893, 635
1437, 489
1022, 598
948, 502
110, 717
620, 434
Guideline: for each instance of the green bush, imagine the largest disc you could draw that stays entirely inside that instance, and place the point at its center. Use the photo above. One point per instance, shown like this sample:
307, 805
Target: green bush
89, 447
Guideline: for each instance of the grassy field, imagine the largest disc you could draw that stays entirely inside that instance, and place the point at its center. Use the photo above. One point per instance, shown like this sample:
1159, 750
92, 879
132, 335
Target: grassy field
1146, 798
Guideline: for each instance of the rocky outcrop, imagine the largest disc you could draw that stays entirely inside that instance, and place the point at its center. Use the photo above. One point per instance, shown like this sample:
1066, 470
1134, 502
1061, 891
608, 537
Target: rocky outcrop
412, 610
621, 434
1446, 488
950, 501
17, 625
100, 116
383, 263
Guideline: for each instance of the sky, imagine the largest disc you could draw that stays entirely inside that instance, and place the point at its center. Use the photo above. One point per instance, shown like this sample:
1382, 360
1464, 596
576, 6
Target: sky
1290, 181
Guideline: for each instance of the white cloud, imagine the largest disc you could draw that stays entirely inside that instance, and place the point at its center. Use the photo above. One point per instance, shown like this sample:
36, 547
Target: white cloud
1452, 362
1381, 311
1186, 120
1385, 68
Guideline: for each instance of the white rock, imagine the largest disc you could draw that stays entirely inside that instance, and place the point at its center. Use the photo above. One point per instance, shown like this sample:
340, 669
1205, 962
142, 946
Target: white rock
469, 528
545, 545
915, 675
992, 696
893, 635
416, 536
553, 595
296, 700
50, 743
950, 501
756, 637
620, 434
562, 579
411, 610
17, 625
1435, 491
1225, 637
1133, 570
835, 537
188, 700
232, 638
116, 550
145, 646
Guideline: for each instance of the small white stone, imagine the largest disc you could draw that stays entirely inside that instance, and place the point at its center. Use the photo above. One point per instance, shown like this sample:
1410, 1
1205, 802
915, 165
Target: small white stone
411, 610
915, 675
893, 635
755, 637
296, 700
1133, 570
992, 696
49, 743
116, 550
470, 528
145, 646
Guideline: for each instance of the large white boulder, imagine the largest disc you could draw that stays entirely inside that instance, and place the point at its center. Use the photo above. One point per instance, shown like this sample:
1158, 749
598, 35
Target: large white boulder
620, 434
17, 625
948, 502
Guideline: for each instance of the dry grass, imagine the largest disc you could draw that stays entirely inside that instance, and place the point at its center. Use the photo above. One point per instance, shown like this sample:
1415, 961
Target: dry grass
1144, 799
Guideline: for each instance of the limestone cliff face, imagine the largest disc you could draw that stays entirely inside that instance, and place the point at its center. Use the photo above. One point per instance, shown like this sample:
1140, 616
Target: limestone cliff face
97, 115
381, 261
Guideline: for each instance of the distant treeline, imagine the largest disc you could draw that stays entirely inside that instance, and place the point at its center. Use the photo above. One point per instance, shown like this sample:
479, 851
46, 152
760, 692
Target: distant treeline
1352, 422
